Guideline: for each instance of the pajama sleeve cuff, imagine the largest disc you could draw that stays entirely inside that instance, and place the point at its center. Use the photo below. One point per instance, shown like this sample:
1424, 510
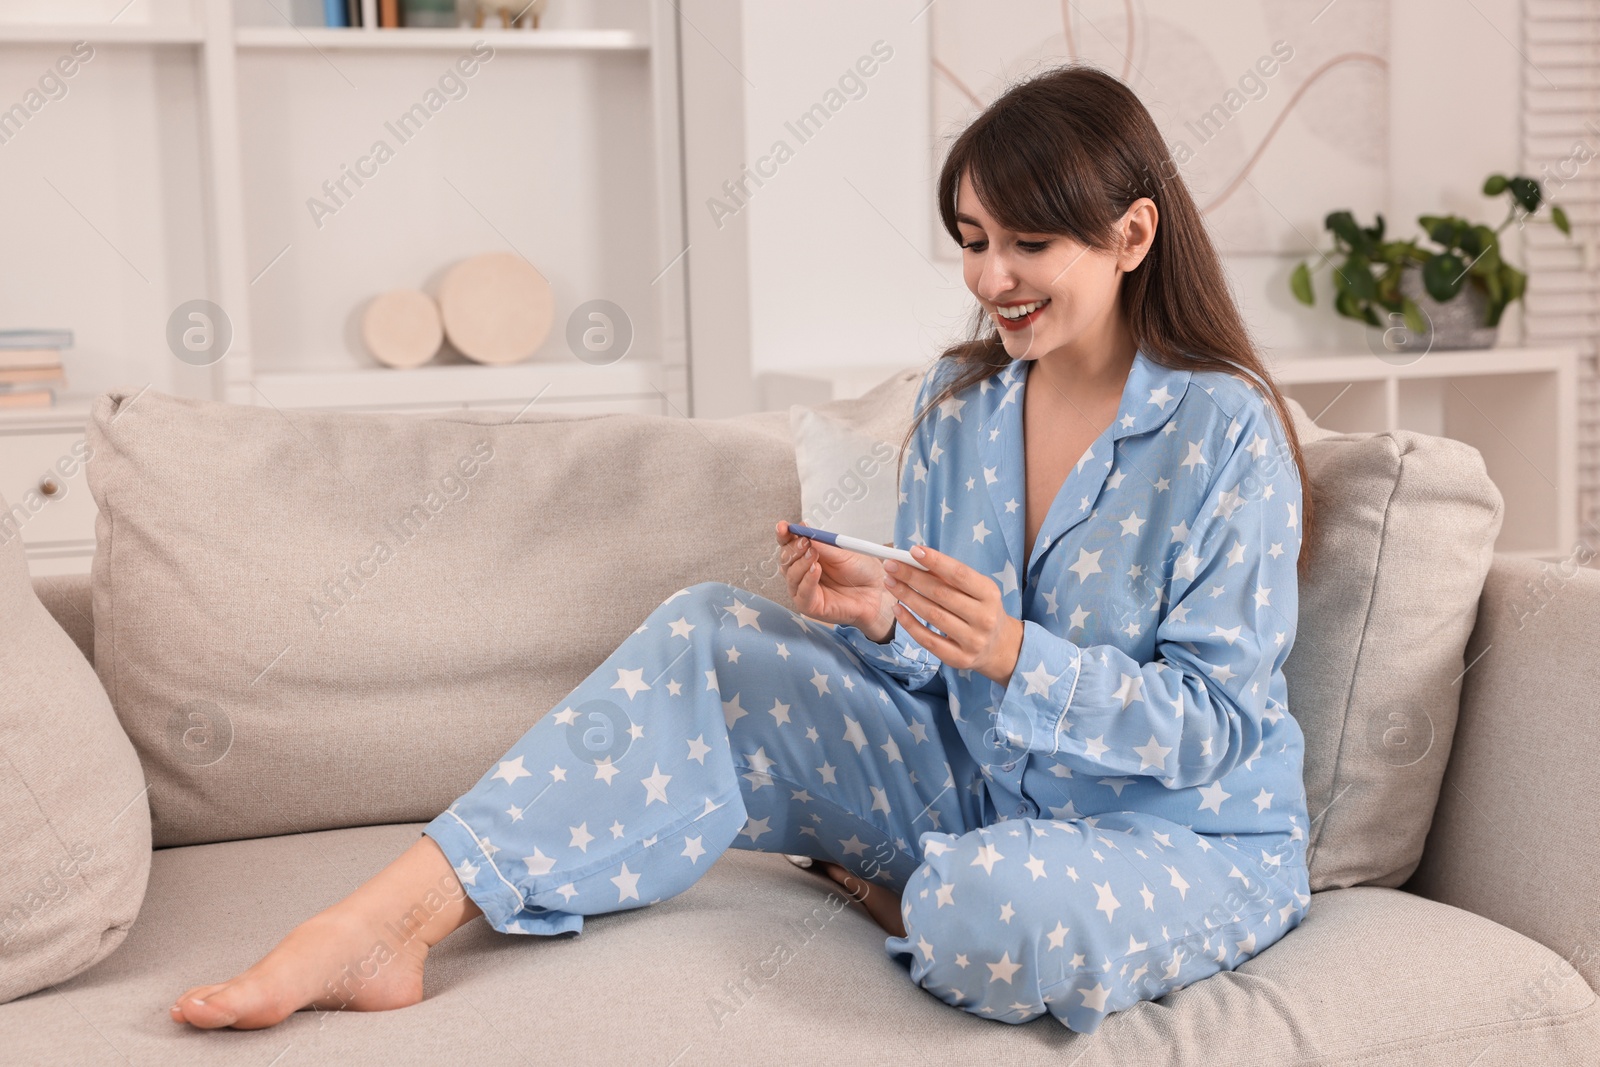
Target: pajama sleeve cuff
899, 656
1033, 709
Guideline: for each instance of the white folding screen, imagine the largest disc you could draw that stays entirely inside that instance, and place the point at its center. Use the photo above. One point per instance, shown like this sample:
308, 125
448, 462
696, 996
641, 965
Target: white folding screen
1561, 148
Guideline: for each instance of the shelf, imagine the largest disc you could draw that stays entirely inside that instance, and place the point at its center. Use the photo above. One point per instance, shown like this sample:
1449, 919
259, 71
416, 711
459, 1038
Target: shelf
382, 387
1290, 368
434, 40
68, 411
97, 33
1516, 406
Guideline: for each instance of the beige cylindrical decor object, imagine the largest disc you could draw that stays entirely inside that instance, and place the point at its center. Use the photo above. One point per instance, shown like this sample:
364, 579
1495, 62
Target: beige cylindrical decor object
402, 328
496, 308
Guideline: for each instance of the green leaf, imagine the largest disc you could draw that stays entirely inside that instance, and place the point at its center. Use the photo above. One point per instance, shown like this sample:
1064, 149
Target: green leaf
1488, 244
1354, 276
1300, 284
1495, 185
1526, 190
1491, 282
1442, 276
1348, 306
1413, 316
1389, 287
1343, 225
1443, 230
1515, 281
1559, 217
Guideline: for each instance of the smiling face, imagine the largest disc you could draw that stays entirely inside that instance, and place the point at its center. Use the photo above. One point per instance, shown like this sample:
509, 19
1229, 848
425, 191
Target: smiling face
1048, 292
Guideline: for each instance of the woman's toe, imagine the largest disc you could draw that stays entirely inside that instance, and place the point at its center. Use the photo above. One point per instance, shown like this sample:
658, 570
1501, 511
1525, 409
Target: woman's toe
193, 1008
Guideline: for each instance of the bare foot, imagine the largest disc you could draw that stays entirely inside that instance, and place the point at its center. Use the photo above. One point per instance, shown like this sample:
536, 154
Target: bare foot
882, 904
338, 959
363, 954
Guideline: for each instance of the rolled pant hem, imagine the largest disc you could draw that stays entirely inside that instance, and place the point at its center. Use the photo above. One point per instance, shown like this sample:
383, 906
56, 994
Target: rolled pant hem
516, 916
499, 901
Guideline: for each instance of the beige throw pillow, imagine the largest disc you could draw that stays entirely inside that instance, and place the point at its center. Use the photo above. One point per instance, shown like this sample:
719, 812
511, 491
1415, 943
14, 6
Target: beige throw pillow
1405, 526
74, 823
847, 454
320, 619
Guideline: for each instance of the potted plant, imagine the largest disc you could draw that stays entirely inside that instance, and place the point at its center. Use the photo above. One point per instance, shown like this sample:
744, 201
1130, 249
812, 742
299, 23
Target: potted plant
1411, 291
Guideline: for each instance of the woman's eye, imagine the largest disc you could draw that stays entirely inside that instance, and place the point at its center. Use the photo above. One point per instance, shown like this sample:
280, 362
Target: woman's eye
1033, 246
976, 245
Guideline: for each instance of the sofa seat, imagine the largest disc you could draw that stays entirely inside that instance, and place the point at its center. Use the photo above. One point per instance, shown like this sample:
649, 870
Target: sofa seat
728, 972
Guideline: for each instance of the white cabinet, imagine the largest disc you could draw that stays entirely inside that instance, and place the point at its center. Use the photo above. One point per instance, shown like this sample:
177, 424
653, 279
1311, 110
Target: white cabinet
42, 457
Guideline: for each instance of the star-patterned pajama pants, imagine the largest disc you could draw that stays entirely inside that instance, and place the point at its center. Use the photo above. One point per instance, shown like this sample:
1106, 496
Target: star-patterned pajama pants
727, 719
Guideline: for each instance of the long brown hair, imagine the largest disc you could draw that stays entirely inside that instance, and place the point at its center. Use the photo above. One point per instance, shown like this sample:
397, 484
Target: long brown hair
1067, 152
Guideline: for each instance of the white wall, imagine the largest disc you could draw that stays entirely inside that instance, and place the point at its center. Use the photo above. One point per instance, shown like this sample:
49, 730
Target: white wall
837, 275
840, 272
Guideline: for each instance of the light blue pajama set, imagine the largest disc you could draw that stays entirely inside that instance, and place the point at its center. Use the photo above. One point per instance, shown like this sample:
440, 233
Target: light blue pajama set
1123, 818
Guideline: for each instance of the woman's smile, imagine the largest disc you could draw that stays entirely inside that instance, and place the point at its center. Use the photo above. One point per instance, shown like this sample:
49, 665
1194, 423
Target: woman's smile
1019, 315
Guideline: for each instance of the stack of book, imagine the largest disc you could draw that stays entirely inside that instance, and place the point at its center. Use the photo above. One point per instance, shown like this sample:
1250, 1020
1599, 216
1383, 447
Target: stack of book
30, 367
386, 14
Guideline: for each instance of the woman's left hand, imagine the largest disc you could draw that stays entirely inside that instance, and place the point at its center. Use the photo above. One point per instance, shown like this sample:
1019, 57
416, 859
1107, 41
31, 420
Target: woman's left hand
977, 634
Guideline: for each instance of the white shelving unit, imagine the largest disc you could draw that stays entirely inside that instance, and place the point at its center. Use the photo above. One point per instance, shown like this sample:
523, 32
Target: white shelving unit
181, 161
1517, 406
108, 34
414, 39
565, 148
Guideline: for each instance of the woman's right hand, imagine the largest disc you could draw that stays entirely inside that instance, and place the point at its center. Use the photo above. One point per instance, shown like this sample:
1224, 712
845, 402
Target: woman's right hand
833, 585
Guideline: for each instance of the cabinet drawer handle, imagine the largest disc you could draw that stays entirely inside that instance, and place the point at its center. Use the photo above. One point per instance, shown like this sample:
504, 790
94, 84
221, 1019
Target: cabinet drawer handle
48, 486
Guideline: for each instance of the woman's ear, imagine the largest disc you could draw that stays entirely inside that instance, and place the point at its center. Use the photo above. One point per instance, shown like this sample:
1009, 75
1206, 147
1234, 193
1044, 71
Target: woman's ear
1138, 228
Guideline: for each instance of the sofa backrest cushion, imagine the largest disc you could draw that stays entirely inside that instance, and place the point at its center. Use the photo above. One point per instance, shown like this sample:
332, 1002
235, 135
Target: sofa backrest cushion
1404, 532
74, 823
309, 620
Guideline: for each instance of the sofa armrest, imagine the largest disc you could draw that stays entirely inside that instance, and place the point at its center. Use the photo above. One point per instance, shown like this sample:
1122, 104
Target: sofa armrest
1514, 837
66, 597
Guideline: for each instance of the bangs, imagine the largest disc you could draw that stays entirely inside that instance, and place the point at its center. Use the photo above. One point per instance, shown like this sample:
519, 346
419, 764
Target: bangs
1029, 179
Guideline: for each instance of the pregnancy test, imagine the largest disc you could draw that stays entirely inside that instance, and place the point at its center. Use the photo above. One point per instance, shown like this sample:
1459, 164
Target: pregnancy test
856, 544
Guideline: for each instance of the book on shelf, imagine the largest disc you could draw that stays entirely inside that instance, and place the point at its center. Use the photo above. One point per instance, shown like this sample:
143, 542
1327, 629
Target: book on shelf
31, 398
334, 13
29, 358
389, 14
16, 376
13, 339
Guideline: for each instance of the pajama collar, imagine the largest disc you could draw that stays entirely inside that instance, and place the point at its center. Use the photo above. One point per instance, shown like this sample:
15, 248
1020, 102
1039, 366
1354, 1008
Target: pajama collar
1151, 394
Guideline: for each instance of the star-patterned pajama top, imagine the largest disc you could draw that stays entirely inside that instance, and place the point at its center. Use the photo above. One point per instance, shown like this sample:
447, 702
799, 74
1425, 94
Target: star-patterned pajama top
1158, 606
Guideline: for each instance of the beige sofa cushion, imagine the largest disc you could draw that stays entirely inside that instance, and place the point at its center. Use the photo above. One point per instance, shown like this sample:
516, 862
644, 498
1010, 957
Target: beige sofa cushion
74, 823
319, 619
758, 962
1405, 531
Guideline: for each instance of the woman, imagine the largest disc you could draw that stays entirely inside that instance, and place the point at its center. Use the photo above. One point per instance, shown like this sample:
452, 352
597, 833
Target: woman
1057, 766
